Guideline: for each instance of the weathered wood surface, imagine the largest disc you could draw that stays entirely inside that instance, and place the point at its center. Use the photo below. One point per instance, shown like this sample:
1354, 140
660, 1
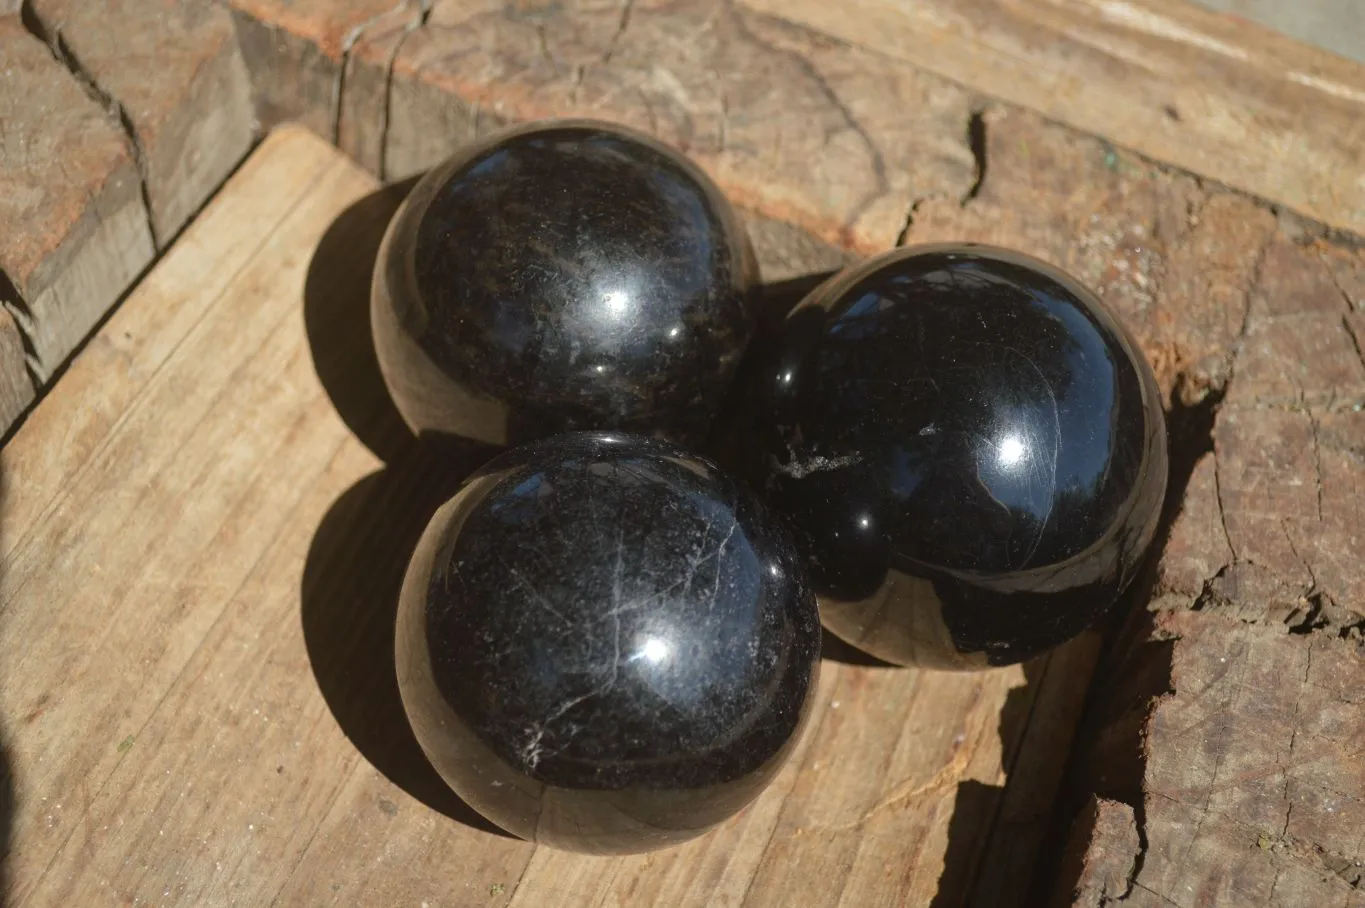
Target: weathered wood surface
296, 51
842, 137
1231, 715
73, 229
1213, 282
1252, 319
896, 796
120, 120
1219, 97
1254, 325
200, 562
740, 95
172, 75
1248, 774
761, 90
16, 385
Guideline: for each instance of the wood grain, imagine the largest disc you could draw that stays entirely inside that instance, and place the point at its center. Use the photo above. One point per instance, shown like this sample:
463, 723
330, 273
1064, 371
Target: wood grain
295, 51
1251, 782
200, 562
73, 228
1227, 719
799, 128
1218, 97
362, 124
249, 634
16, 386
1100, 856
172, 74
1221, 98
112, 615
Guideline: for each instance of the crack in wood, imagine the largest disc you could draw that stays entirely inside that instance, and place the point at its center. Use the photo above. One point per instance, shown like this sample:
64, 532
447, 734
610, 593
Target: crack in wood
976, 142
1222, 506
626, 8
1355, 339
348, 43
412, 27
882, 185
909, 224
18, 308
1139, 859
1332, 276
51, 36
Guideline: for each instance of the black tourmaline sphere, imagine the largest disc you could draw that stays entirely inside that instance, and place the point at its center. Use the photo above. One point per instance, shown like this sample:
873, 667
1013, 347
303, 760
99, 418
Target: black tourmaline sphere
563, 276
605, 644
971, 449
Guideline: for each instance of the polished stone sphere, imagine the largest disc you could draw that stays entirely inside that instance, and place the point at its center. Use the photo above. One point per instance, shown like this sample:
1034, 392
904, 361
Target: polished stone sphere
565, 275
970, 448
605, 644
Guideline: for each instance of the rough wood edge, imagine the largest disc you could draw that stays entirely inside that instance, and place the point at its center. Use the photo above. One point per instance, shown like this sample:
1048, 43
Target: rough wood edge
1223, 98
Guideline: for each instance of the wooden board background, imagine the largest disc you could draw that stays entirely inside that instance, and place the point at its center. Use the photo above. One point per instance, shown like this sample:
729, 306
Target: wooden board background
121, 118
815, 111
192, 695
201, 558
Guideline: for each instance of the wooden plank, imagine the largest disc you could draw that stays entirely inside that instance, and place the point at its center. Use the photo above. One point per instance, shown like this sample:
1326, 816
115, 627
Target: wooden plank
143, 618
1238, 747
172, 73
73, 228
793, 126
296, 51
1218, 97
115, 366
179, 734
16, 387
1252, 782
1333, 25
1231, 302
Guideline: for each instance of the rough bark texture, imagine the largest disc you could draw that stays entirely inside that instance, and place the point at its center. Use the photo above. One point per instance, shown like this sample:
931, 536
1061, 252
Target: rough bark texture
1230, 717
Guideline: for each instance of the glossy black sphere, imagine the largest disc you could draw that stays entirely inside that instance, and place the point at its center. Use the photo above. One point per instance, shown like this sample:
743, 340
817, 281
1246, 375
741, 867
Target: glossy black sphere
605, 644
970, 447
562, 276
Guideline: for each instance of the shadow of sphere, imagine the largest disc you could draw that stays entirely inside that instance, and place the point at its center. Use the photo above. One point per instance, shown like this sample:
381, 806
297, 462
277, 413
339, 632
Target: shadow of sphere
336, 309
833, 649
351, 581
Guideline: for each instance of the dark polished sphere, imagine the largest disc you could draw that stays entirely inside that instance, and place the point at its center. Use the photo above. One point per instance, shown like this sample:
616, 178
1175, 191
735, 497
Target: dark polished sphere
605, 644
562, 276
970, 448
